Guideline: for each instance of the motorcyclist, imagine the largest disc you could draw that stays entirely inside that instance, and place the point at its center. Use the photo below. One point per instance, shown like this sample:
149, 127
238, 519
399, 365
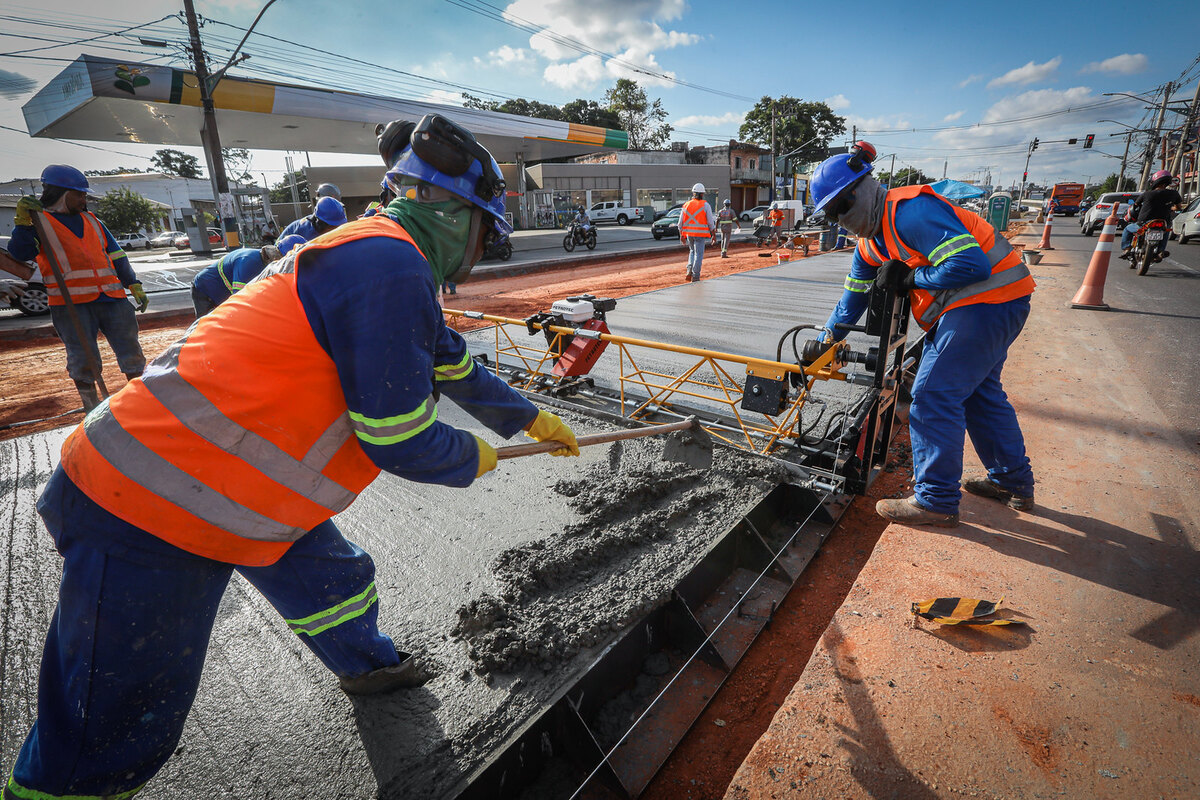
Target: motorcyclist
1160, 202
582, 220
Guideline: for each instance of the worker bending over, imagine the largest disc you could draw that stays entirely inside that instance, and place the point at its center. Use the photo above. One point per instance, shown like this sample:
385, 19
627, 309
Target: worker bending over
229, 274
697, 224
328, 214
235, 450
970, 292
96, 272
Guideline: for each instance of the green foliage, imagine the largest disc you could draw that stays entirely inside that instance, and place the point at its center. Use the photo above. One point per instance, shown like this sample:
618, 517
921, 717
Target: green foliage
116, 171
589, 112
643, 120
176, 162
237, 164
123, 210
904, 177
282, 192
1110, 185
797, 123
578, 111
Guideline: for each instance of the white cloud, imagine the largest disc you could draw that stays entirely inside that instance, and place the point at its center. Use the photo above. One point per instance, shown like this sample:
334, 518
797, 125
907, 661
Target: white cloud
967, 81
444, 97
1030, 73
509, 55
632, 33
1124, 64
837, 102
875, 123
707, 121
952, 117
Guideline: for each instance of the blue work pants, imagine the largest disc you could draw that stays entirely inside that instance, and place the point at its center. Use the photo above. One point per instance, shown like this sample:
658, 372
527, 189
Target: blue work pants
127, 642
696, 254
958, 389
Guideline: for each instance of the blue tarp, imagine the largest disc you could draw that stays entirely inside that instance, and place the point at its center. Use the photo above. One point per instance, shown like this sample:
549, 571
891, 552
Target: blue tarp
956, 190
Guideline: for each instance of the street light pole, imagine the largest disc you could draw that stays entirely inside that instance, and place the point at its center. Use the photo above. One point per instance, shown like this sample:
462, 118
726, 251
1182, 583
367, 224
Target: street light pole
1162, 113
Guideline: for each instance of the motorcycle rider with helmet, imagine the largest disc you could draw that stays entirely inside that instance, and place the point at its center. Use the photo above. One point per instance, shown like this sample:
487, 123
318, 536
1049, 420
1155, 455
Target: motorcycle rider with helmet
1159, 202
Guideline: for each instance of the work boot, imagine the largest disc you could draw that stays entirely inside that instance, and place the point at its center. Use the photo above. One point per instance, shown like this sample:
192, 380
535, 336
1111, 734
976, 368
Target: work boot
724, 254
910, 512
984, 486
89, 394
404, 675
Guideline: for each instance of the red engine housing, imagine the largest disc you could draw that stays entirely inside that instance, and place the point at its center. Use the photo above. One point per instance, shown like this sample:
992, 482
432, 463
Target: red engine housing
581, 355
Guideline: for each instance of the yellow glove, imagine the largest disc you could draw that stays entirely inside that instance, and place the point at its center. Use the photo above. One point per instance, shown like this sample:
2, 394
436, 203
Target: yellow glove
25, 205
548, 427
139, 294
487, 457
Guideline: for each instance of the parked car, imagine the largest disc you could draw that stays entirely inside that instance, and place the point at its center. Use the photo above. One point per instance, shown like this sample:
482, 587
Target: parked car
660, 214
615, 212
1093, 221
131, 241
214, 238
750, 213
668, 225
35, 302
1186, 224
165, 239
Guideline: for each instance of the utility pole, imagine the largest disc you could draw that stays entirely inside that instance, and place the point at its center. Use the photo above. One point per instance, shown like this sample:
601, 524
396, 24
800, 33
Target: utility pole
1162, 113
1190, 117
774, 166
1124, 158
1025, 174
209, 138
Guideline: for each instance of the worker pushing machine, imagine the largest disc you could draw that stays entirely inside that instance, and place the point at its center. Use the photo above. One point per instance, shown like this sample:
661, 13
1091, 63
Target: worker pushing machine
230, 273
697, 224
96, 273
328, 213
775, 222
238, 446
970, 291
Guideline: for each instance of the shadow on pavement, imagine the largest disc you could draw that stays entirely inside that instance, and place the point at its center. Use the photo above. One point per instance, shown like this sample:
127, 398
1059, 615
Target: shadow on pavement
404, 742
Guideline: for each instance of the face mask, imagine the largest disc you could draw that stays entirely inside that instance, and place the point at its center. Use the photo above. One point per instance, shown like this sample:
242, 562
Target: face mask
865, 217
440, 229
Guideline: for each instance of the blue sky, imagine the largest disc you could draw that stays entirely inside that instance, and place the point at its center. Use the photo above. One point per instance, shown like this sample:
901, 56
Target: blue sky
900, 72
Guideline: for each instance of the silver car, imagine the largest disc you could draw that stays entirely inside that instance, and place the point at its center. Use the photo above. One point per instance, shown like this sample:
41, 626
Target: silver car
1186, 224
1093, 221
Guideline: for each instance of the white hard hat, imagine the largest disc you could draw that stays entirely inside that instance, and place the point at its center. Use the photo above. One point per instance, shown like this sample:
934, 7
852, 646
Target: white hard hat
698, 188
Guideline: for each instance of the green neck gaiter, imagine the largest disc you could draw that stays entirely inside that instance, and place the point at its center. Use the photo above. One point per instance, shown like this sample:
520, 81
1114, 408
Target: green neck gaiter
439, 229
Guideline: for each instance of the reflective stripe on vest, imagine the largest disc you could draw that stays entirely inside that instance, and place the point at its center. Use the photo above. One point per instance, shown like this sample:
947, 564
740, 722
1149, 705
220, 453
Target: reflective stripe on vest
1010, 277
86, 265
689, 219
237, 440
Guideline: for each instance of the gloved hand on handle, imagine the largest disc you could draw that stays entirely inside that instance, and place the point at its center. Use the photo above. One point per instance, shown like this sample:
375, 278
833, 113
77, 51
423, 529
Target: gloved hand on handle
12, 288
139, 294
25, 206
895, 274
548, 427
487, 457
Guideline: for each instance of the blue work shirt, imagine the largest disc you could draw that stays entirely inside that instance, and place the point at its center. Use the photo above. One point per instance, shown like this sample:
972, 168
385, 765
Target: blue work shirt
228, 274
24, 246
305, 226
924, 223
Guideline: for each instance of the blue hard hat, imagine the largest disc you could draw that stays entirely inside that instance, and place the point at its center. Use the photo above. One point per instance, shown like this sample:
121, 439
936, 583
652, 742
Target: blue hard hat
288, 242
835, 174
409, 164
331, 211
64, 177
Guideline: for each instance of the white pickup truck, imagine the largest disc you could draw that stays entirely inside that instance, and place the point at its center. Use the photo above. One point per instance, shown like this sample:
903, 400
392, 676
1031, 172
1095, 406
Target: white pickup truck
612, 211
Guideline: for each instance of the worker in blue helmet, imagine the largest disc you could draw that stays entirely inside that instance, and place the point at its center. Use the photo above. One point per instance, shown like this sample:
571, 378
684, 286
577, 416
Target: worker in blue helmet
327, 214
970, 291
96, 271
229, 274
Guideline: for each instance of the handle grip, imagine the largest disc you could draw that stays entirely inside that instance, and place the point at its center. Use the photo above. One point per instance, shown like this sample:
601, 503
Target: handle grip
519, 450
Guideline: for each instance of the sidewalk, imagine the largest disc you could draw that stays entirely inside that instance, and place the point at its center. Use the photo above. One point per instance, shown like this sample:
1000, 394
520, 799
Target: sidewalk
1099, 695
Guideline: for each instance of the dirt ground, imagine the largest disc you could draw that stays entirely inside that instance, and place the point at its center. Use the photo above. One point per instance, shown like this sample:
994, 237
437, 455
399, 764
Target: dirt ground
37, 395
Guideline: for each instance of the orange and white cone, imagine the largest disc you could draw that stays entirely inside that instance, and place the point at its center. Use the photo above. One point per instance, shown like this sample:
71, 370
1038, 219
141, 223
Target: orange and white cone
1045, 243
1091, 293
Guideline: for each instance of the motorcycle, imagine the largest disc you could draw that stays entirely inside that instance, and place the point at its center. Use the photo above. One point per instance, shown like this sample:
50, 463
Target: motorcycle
576, 235
502, 251
1148, 245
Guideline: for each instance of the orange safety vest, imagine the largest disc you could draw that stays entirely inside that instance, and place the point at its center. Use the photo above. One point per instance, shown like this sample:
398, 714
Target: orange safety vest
693, 219
1009, 280
237, 440
775, 218
86, 266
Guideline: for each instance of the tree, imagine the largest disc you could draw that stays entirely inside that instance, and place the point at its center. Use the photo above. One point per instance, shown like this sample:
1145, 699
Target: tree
578, 111
116, 171
282, 191
904, 177
123, 210
641, 119
176, 162
1110, 185
799, 125
237, 164
589, 112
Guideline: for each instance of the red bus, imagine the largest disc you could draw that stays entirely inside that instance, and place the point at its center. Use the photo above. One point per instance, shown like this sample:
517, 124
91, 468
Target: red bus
1067, 197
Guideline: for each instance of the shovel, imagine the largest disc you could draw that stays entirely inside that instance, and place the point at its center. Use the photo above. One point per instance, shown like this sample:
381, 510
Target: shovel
694, 448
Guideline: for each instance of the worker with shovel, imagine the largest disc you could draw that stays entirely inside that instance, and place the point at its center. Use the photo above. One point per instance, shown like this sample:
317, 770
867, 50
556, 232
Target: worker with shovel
970, 291
238, 446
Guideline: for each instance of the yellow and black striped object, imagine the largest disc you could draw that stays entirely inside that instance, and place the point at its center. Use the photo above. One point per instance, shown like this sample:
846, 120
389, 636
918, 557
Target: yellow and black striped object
961, 611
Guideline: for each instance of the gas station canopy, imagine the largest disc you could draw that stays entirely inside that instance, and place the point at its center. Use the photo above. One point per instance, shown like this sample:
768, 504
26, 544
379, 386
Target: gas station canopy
100, 99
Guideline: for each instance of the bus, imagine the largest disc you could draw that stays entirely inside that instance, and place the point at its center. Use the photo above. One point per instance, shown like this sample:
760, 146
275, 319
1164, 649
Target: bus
1067, 197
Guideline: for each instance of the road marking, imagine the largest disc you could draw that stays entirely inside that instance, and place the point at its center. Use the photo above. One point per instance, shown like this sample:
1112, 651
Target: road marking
1182, 266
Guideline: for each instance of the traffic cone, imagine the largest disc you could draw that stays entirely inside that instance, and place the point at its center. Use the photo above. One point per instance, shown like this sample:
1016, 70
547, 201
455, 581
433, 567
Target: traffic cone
1091, 293
1045, 243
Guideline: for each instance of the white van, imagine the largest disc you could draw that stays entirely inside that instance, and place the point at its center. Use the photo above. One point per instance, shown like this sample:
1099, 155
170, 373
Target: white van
793, 214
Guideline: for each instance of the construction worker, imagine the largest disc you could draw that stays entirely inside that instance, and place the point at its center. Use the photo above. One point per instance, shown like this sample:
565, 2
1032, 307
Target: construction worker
697, 224
1160, 202
970, 291
775, 222
726, 219
329, 190
328, 214
237, 448
229, 274
96, 272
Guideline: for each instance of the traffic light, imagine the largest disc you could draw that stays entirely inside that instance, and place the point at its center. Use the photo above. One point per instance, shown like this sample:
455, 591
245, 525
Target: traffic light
1025, 176
1033, 145
1087, 143
1072, 141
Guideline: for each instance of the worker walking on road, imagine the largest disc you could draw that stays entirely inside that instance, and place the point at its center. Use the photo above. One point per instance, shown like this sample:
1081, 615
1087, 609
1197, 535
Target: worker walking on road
238, 447
970, 291
96, 272
697, 224
229, 274
328, 214
726, 219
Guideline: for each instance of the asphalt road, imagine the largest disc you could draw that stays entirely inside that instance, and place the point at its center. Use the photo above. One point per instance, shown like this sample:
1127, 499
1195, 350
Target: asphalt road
1153, 318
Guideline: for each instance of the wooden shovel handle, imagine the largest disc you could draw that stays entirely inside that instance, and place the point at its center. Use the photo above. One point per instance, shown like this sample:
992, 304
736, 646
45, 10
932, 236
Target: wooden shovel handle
518, 450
